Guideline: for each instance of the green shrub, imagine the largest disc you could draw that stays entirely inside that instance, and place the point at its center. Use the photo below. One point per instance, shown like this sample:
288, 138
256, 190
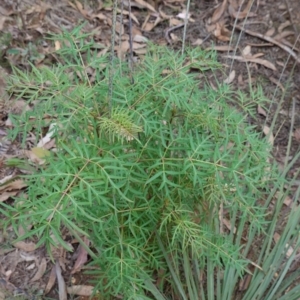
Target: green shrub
148, 175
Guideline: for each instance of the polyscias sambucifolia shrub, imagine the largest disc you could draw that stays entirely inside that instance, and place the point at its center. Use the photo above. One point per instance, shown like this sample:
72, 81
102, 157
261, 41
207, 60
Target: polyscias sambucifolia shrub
160, 160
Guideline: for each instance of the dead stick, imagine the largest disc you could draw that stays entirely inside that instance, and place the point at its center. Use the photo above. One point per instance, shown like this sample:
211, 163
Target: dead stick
168, 31
270, 40
130, 44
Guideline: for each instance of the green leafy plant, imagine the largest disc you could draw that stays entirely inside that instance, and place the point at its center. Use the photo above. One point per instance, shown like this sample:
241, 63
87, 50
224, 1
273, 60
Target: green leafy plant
150, 175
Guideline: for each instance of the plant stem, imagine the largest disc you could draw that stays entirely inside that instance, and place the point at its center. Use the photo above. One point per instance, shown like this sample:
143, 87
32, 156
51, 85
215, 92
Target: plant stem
111, 63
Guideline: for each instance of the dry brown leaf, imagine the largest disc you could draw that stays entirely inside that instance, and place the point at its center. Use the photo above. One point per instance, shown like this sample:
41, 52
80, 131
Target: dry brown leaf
119, 27
134, 18
82, 257
46, 139
6, 12
8, 123
166, 72
144, 4
228, 225
248, 6
5, 145
244, 283
184, 15
9, 264
219, 11
277, 82
174, 37
6, 195
21, 229
146, 21
288, 201
210, 27
174, 1
136, 31
230, 78
80, 8
62, 290
246, 51
2, 296
280, 63
28, 247
140, 39
224, 48
31, 267
241, 14
198, 42
254, 60
289, 249
51, 280
282, 6
164, 15
137, 46
125, 12
3, 19
148, 26
174, 22
283, 35
100, 16
40, 152
41, 270
102, 53
221, 37
122, 49
269, 134
284, 25
50, 145
32, 9
270, 32
234, 3
59, 253
17, 184
240, 80
257, 55
212, 85
261, 111
20, 106
80, 290
6, 179
141, 51
222, 33
296, 134
33, 157
57, 45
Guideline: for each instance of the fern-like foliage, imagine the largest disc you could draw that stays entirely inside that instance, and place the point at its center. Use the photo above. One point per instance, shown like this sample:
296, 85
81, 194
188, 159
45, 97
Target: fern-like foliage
157, 169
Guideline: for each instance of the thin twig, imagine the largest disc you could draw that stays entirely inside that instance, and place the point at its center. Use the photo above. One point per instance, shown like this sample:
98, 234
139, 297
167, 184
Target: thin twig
120, 35
270, 40
185, 25
112, 54
168, 31
130, 44
240, 35
290, 133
